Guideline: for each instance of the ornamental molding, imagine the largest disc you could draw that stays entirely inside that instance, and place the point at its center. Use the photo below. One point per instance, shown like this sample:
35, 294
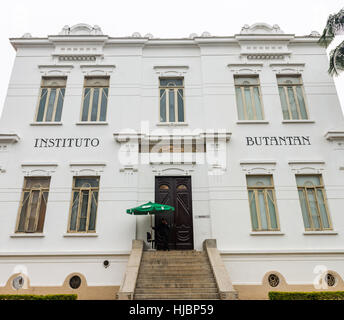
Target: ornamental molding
245, 68
307, 166
81, 29
38, 168
264, 50
87, 168
187, 136
8, 138
287, 68
175, 170
261, 28
171, 71
258, 166
77, 48
262, 41
335, 135
128, 169
97, 69
55, 70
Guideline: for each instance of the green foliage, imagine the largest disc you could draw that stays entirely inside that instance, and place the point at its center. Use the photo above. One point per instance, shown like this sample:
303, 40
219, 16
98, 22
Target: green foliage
38, 297
334, 26
320, 295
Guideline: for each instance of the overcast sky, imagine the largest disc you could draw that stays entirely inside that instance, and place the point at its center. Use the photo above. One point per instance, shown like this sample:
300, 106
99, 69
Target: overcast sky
177, 18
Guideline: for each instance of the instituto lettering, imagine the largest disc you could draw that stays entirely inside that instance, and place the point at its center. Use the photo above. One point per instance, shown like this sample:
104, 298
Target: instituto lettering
66, 142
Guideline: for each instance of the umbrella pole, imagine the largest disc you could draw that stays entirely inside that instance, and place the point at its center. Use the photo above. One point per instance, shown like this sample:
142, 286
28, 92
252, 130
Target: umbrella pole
151, 231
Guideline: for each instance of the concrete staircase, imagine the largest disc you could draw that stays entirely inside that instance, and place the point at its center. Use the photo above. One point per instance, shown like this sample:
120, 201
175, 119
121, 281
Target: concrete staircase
178, 275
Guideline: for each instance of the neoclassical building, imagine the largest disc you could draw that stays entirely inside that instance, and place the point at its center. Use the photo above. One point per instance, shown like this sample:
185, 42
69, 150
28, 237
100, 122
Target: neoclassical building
243, 135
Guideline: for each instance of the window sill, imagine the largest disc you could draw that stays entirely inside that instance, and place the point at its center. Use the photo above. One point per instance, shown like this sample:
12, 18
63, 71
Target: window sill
298, 121
27, 235
172, 124
73, 235
325, 233
252, 122
52, 123
97, 123
266, 233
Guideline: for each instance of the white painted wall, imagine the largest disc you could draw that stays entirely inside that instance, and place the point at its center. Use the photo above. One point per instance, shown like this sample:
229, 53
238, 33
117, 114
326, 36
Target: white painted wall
209, 104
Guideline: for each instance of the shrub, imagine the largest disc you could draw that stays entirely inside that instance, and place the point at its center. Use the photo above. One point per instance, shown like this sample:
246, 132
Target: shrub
38, 297
320, 295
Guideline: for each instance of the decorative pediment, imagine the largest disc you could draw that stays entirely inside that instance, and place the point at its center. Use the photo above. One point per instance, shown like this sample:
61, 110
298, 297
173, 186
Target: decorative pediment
81, 29
39, 168
87, 168
55, 70
258, 166
245, 68
97, 69
287, 68
306, 166
171, 71
261, 28
172, 170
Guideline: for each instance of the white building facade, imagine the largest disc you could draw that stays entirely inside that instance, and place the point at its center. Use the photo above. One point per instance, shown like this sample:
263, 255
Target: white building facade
243, 134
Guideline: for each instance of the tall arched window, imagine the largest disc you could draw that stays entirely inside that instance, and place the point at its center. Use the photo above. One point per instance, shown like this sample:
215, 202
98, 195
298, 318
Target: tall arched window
292, 97
84, 204
51, 99
33, 204
248, 97
95, 97
171, 100
313, 202
262, 202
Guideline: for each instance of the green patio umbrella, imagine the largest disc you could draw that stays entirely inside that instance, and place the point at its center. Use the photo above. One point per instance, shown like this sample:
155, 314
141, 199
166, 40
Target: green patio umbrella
150, 208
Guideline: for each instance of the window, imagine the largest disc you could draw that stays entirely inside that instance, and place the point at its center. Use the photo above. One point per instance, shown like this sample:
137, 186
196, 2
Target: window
262, 202
75, 282
248, 97
51, 99
292, 97
33, 204
313, 202
84, 204
171, 100
95, 99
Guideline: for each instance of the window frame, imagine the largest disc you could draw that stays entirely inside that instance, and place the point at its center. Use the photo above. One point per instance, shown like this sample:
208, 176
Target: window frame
265, 189
243, 98
80, 190
38, 212
58, 92
90, 104
285, 89
320, 187
176, 105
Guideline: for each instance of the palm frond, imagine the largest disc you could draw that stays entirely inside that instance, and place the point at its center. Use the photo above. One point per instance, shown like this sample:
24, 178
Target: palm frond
334, 24
337, 60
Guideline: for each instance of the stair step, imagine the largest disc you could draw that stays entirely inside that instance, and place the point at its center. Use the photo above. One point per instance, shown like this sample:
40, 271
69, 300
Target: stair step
178, 275
165, 270
184, 296
175, 290
181, 276
175, 270
173, 284
173, 254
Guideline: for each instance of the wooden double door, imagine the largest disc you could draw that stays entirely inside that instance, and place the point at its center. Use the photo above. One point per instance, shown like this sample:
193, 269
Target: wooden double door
176, 192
